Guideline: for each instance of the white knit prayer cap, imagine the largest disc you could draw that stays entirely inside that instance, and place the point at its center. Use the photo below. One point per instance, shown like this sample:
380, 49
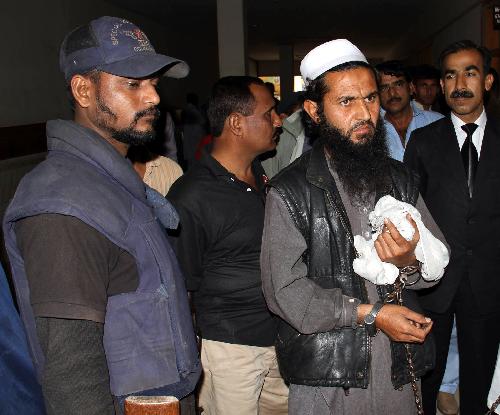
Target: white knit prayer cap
327, 56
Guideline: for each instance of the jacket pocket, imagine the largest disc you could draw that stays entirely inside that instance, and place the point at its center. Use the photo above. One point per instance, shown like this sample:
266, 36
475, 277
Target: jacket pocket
138, 342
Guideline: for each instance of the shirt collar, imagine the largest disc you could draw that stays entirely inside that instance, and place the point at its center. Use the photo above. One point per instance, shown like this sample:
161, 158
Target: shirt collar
213, 165
219, 170
416, 104
457, 122
477, 137
416, 111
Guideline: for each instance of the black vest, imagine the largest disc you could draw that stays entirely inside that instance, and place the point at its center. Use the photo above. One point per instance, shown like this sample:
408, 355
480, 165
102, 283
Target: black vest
340, 357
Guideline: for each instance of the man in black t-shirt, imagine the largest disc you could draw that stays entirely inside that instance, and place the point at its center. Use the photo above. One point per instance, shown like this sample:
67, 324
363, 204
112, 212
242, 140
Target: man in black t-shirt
221, 207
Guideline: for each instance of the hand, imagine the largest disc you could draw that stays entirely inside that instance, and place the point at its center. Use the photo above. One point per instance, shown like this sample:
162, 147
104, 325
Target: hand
402, 324
393, 248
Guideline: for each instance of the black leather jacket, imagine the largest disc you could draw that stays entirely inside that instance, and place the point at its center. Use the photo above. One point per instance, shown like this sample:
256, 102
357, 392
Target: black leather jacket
340, 357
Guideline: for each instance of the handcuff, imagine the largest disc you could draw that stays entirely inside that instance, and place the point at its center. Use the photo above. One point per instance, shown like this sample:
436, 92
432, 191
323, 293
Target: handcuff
404, 273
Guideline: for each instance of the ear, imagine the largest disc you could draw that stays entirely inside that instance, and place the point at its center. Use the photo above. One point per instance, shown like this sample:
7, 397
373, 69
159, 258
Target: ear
488, 82
82, 89
311, 108
235, 123
441, 82
412, 88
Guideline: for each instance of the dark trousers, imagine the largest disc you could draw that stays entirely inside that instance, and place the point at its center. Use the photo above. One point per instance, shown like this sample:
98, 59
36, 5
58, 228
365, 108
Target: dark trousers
478, 340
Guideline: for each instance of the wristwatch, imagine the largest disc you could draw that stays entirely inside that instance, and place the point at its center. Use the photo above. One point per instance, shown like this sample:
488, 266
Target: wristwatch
369, 319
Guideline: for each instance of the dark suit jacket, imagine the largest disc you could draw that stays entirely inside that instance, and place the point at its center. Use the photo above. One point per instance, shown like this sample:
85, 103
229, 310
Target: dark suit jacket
471, 226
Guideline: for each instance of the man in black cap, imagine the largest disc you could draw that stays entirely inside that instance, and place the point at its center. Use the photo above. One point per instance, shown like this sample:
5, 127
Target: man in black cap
101, 295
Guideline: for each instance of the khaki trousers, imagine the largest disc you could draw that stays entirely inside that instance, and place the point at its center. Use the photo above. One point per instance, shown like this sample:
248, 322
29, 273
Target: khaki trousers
241, 380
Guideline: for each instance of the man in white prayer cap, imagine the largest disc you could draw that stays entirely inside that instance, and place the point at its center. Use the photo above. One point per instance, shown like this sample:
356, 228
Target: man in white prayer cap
342, 349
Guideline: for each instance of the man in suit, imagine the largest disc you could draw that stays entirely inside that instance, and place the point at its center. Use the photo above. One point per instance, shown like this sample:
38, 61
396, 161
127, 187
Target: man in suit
457, 161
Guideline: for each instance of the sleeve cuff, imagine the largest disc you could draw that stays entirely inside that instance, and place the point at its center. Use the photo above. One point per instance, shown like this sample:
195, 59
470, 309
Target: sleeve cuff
350, 312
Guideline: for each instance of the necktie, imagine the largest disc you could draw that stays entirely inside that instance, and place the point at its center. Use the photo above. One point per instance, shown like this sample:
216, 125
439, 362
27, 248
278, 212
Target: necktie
469, 155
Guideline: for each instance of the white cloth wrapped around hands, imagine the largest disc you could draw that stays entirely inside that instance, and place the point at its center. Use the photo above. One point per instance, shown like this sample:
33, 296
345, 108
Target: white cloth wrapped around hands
430, 251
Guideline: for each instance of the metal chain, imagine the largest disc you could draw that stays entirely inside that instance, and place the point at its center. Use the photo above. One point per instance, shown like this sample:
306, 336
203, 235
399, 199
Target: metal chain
396, 297
494, 407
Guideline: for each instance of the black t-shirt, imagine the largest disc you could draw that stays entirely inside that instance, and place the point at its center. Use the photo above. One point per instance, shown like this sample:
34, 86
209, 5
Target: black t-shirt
72, 268
218, 247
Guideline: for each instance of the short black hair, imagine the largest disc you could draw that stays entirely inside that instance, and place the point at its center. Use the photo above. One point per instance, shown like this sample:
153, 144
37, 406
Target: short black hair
393, 68
271, 87
291, 103
424, 71
466, 45
192, 98
317, 89
230, 94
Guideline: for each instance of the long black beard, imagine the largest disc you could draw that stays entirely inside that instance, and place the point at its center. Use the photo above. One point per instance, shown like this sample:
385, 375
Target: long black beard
363, 168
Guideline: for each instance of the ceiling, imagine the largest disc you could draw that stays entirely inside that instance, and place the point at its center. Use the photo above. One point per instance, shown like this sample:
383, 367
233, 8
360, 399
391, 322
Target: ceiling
383, 29
369, 24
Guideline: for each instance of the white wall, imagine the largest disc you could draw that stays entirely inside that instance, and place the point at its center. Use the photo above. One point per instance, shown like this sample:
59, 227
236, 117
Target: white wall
32, 88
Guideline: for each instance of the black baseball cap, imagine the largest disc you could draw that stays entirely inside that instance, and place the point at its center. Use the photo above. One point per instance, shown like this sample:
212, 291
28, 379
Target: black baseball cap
115, 46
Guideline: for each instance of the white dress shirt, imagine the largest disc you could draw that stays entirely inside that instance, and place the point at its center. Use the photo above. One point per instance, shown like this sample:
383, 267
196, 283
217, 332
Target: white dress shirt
477, 137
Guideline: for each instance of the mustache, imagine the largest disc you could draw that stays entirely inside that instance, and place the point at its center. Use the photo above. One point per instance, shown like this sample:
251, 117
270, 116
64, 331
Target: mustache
358, 124
394, 99
155, 112
463, 93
